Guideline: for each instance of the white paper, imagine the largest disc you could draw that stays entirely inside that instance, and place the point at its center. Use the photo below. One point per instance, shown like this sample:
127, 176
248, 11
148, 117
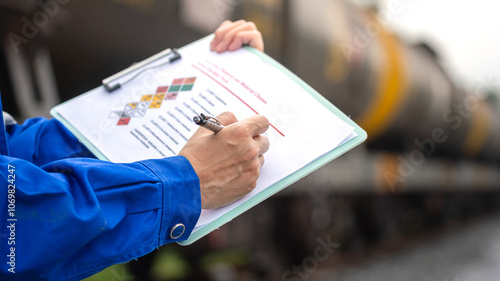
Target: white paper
301, 130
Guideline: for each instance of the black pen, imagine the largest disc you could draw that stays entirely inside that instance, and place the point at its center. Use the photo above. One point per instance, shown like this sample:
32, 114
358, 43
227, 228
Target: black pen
208, 122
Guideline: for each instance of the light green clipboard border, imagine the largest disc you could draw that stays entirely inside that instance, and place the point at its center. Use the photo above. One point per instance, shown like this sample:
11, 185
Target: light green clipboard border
306, 170
273, 189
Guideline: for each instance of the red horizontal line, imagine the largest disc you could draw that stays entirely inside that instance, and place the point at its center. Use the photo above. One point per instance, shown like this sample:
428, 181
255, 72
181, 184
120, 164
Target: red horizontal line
279, 132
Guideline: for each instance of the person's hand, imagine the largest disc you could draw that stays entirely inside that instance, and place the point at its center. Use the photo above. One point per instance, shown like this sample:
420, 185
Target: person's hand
228, 162
230, 36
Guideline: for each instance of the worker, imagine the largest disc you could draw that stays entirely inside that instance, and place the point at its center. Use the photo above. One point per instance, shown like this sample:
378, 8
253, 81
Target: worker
67, 215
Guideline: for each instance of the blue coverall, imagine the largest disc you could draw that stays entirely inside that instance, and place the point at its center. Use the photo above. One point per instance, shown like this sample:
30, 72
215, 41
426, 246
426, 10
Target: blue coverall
71, 215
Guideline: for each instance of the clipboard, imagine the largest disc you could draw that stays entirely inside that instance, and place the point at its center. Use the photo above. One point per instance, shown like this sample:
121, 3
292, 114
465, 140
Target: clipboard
168, 56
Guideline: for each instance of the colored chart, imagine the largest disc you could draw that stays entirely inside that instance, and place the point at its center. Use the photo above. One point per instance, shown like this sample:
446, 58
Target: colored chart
153, 101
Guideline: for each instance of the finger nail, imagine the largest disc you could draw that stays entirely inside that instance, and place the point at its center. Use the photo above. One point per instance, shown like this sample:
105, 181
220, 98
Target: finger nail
219, 48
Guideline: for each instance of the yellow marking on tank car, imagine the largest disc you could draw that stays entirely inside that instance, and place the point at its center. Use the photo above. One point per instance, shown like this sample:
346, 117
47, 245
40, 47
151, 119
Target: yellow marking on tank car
478, 133
391, 90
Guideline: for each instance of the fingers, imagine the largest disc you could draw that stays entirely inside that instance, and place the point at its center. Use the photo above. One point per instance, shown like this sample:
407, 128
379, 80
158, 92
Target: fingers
261, 159
263, 145
232, 35
227, 118
221, 32
250, 37
257, 124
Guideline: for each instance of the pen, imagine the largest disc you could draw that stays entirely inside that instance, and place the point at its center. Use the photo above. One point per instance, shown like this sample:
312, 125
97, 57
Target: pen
208, 122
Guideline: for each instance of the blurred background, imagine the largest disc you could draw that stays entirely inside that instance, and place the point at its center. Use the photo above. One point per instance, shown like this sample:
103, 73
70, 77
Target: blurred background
418, 201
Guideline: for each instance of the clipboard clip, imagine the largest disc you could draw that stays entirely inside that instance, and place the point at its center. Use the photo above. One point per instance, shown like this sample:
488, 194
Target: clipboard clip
112, 83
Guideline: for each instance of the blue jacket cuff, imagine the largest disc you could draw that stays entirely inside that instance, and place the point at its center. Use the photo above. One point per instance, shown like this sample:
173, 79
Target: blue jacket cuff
181, 197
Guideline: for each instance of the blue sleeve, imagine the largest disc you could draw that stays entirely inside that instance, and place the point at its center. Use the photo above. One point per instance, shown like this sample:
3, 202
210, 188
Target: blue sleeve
42, 141
71, 217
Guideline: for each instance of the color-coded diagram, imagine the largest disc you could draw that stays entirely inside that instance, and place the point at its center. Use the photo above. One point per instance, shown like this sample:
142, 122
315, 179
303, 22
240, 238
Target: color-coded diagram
163, 93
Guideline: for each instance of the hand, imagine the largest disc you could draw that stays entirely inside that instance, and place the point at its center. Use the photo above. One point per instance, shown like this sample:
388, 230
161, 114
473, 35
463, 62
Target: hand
228, 162
230, 36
